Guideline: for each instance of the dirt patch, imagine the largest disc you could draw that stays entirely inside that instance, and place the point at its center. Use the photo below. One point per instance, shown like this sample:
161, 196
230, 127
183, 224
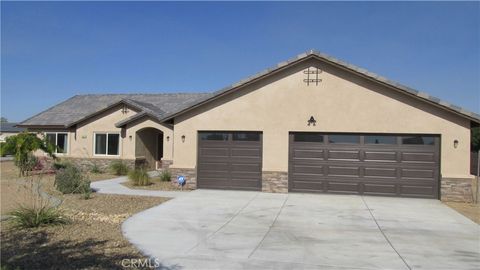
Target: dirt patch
156, 184
470, 210
91, 240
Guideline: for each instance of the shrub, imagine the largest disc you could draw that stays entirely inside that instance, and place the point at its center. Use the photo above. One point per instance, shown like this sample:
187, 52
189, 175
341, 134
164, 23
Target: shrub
32, 217
95, 169
5, 151
119, 167
139, 177
26, 163
165, 176
71, 180
58, 165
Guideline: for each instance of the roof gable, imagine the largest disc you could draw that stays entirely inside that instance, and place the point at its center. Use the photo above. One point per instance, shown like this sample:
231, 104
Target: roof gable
337, 63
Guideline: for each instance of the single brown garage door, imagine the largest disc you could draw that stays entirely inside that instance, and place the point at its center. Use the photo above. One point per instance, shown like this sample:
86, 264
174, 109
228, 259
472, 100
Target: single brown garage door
230, 160
370, 164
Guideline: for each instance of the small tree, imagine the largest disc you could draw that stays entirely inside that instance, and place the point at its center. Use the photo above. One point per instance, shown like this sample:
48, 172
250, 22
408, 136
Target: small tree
23, 145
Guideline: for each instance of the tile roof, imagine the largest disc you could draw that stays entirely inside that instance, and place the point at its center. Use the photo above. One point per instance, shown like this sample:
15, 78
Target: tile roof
10, 127
80, 107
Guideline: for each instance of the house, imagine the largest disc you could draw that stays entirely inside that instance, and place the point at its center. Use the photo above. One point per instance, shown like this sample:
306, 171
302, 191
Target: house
8, 129
310, 124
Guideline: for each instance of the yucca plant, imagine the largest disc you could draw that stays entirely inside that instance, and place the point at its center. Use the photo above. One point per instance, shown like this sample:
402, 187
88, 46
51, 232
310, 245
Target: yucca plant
165, 176
32, 217
139, 177
119, 167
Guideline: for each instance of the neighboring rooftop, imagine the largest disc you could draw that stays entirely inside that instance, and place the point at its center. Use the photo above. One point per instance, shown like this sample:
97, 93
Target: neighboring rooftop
10, 127
80, 107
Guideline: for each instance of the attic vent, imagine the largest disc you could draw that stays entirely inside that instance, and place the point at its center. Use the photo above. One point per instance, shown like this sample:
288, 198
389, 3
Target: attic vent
125, 110
312, 76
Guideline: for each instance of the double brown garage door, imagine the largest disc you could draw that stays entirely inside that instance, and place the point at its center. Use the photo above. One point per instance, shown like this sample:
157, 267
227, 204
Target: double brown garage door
230, 160
370, 164
392, 165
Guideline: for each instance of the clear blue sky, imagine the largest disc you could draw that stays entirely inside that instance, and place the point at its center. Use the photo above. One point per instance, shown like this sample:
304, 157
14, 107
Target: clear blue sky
53, 50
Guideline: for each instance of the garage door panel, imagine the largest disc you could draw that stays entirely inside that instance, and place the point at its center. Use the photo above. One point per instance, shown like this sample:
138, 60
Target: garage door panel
214, 152
342, 187
416, 190
305, 169
303, 186
381, 172
308, 154
417, 173
343, 171
380, 156
376, 165
418, 157
230, 160
379, 189
343, 154
246, 152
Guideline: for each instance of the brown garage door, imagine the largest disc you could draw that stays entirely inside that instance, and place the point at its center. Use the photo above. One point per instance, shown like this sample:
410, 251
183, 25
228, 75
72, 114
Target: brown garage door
370, 164
230, 160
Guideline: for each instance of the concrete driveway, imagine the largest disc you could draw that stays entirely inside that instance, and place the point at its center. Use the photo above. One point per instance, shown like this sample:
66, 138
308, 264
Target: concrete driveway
209, 229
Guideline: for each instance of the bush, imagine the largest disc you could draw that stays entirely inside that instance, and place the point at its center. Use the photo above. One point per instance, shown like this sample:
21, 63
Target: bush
165, 176
71, 180
95, 169
32, 217
26, 163
58, 165
139, 177
5, 151
119, 167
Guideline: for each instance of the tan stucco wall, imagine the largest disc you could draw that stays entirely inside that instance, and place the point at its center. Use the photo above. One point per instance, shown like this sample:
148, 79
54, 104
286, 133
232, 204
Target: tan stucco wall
80, 141
342, 102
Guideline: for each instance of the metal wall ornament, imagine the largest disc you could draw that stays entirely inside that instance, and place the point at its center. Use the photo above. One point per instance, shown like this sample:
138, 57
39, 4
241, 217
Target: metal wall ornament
312, 76
125, 110
312, 121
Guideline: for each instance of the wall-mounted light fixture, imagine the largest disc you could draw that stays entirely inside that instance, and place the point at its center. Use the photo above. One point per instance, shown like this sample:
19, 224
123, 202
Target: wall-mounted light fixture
183, 138
455, 143
168, 138
130, 137
312, 121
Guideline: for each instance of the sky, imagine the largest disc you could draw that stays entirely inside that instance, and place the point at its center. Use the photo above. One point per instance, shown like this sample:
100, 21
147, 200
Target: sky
51, 51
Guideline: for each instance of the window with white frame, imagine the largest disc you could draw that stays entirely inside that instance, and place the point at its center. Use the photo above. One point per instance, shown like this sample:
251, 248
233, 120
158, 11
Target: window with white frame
59, 140
107, 144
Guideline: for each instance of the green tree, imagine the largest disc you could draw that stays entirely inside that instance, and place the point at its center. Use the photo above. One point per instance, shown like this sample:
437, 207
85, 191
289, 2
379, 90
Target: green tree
22, 146
475, 144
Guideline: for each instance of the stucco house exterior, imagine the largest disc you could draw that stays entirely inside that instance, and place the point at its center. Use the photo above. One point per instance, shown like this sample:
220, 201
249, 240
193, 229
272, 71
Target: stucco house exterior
310, 124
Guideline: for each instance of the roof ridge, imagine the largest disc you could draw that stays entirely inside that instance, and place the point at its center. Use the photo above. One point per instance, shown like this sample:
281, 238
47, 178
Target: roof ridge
152, 94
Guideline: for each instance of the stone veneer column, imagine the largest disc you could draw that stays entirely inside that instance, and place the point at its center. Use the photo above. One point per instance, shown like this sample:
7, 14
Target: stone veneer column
456, 189
276, 182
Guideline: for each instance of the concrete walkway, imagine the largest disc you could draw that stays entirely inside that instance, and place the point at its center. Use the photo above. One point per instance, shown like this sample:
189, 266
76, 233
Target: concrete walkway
208, 229
114, 186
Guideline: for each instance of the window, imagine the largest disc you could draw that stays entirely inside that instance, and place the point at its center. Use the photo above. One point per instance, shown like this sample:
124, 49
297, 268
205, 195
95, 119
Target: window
343, 139
107, 144
307, 137
246, 136
424, 140
59, 140
380, 139
214, 136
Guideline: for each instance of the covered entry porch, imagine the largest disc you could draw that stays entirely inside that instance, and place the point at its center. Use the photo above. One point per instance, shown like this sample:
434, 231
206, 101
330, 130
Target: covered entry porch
149, 148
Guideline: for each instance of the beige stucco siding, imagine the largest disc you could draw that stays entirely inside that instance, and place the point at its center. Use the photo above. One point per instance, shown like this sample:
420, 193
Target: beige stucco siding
342, 102
81, 139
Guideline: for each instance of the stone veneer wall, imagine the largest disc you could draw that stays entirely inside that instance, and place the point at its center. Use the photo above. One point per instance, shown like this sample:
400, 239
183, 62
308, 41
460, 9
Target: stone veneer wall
189, 174
457, 189
102, 163
166, 164
276, 182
